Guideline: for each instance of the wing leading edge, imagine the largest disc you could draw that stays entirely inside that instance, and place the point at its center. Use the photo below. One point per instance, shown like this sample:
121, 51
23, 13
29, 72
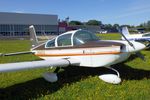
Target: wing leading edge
37, 64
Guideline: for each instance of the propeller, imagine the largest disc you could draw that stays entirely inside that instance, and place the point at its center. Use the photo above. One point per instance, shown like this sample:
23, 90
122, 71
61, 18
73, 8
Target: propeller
126, 38
148, 44
139, 54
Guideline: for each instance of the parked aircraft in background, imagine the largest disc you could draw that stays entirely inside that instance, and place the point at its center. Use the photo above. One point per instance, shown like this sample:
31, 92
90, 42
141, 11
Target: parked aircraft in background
144, 37
76, 48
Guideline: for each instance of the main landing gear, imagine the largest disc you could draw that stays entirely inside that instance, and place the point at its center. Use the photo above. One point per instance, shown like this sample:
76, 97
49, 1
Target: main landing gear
111, 78
51, 77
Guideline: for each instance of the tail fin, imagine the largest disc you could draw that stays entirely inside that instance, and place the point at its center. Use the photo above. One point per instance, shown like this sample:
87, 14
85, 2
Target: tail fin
33, 36
125, 31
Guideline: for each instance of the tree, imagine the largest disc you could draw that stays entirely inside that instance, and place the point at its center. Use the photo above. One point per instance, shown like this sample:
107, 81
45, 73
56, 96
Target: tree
107, 26
75, 23
115, 28
145, 25
148, 26
94, 22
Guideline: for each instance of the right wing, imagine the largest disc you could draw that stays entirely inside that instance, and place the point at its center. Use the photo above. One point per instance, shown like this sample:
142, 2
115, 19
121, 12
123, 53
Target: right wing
37, 64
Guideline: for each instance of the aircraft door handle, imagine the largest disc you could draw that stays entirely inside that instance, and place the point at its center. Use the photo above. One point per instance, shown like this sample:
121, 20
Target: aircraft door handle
83, 52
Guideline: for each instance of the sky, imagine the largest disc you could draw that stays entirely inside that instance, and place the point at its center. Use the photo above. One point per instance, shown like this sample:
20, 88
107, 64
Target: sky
131, 12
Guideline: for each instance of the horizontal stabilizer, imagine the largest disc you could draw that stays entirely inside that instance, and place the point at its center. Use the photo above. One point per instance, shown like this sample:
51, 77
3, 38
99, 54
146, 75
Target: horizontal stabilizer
36, 64
33, 36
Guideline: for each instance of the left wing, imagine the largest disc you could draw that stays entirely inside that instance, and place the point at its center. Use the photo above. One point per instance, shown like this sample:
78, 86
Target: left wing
37, 64
16, 53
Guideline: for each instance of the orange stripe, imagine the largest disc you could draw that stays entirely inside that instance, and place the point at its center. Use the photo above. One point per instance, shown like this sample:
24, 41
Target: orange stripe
98, 53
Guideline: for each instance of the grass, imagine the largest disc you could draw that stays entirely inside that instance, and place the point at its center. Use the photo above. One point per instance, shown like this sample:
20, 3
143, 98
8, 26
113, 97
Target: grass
111, 36
74, 83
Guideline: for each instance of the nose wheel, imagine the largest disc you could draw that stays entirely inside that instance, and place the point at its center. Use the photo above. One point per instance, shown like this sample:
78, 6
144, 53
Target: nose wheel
111, 78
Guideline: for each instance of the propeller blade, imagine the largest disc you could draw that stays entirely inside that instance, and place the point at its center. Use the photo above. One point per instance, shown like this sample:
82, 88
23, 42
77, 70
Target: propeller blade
127, 39
148, 45
140, 55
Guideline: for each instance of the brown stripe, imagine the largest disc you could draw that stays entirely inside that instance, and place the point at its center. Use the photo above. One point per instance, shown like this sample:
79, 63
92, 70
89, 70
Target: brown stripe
98, 53
91, 44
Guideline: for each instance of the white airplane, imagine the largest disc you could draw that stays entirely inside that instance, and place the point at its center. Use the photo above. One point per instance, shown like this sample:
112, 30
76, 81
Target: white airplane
76, 48
136, 37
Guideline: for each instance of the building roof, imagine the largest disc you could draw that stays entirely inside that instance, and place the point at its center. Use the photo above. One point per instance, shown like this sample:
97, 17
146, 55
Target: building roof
28, 19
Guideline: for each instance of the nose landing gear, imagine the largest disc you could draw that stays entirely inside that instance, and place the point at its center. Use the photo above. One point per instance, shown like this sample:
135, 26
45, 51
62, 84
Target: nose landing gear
111, 78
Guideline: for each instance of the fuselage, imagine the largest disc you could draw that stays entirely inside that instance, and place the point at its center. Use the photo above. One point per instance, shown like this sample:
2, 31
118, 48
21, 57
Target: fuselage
86, 48
93, 54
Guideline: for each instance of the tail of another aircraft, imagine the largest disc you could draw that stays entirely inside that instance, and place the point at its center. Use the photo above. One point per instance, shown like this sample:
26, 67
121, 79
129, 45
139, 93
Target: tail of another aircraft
33, 36
125, 31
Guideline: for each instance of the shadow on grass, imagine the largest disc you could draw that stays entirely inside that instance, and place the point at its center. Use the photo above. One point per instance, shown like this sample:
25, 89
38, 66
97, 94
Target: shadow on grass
133, 57
128, 73
39, 87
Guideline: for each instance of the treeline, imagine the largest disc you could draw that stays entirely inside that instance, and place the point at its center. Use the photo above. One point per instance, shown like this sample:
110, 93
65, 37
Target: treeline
110, 27
145, 25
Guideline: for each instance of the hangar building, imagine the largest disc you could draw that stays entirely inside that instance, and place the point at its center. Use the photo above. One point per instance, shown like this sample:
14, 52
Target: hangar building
17, 24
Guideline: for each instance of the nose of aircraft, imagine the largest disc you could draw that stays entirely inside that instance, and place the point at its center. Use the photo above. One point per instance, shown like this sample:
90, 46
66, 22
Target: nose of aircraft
137, 47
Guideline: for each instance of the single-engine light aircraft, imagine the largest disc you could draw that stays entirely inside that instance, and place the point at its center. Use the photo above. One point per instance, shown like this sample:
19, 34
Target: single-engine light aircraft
76, 48
144, 38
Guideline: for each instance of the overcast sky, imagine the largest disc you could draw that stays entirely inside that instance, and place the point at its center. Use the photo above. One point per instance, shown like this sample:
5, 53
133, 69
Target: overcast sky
131, 12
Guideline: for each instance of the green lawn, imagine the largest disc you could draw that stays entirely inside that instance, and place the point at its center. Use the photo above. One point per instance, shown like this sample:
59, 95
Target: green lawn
74, 83
111, 36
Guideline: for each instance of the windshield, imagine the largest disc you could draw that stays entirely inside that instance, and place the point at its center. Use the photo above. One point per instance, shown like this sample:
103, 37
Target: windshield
81, 37
50, 43
64, 40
